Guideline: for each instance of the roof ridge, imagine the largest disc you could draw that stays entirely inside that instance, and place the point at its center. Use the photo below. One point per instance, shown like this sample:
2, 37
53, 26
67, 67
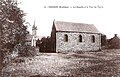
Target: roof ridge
76, 27
73, 22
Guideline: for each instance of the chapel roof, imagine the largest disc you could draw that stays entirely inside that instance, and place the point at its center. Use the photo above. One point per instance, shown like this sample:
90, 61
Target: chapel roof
75, 27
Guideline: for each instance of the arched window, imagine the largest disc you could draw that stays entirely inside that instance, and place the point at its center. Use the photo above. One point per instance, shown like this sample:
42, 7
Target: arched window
66, 38
80, 38
93, 39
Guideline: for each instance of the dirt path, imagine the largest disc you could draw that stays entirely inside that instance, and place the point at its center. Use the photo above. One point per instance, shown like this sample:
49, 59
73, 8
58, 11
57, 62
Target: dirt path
88, 64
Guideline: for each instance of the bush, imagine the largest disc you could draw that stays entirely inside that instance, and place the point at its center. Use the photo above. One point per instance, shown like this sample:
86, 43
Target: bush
26, 51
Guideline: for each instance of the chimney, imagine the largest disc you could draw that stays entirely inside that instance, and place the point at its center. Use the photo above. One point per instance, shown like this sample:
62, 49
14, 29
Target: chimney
115, 35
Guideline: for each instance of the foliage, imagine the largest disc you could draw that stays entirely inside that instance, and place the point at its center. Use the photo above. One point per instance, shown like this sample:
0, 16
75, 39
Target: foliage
45, 44
103, 40
27, 51
11, 21
13, 31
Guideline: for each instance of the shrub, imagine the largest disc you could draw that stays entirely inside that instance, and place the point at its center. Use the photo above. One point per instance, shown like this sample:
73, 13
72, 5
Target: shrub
27, 51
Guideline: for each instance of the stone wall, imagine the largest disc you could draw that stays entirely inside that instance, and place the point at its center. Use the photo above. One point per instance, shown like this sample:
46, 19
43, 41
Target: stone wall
73, 43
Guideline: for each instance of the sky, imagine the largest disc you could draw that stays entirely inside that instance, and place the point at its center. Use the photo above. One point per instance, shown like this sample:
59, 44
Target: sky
104, 14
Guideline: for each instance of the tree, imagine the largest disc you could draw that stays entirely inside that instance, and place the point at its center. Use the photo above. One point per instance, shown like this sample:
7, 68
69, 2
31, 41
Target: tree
45, 44
103, 39
13, 31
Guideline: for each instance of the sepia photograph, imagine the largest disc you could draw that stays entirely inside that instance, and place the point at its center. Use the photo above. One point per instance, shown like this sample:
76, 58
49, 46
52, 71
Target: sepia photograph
59, 38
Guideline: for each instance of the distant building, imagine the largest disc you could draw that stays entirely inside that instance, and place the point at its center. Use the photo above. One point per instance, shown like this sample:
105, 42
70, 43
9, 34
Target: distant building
68, 36
32, 39
114, 42
29, 39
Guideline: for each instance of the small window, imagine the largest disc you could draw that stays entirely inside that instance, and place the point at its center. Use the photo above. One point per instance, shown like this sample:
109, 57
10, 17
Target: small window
93, 39
80, 38
66, 38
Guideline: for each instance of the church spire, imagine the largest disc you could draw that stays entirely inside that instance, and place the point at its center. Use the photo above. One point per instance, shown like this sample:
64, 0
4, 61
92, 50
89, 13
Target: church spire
34, 29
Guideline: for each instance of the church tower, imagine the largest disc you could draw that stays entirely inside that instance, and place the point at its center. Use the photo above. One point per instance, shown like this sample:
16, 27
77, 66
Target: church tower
34, 29
34, 34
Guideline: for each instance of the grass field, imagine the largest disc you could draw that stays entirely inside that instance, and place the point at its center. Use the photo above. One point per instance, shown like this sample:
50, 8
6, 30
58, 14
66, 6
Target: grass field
105, 63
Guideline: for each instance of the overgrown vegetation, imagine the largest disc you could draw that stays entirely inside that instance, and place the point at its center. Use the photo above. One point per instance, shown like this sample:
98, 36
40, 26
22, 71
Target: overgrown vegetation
44, 44
13, 31
104, 63
27, 51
